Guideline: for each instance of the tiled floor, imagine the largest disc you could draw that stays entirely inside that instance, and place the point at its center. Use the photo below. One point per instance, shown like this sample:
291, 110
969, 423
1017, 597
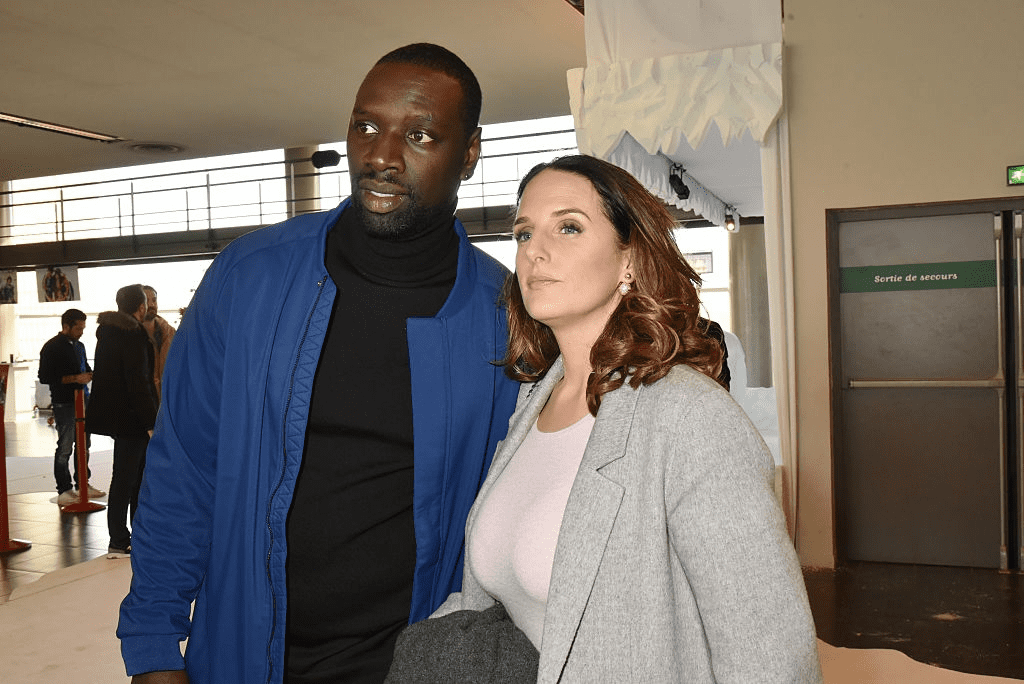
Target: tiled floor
965, 619
962, 619
58, 539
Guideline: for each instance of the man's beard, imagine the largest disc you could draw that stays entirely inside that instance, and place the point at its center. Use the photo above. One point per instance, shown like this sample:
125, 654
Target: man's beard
408, 220
150, 316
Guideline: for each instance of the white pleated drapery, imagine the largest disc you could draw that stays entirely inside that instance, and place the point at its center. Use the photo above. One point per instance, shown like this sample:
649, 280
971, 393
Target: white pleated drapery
664, 79
639, 114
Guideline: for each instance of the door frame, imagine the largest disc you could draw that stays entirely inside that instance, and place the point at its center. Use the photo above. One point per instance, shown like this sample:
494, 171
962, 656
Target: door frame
833, 219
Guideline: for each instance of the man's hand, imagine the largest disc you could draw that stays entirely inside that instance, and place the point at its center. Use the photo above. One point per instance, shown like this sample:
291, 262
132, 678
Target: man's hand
162, 677
77, 379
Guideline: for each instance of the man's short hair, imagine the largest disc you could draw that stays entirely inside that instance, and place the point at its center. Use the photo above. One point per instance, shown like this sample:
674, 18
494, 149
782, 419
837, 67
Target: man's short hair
71, 316
129, 298
447, 62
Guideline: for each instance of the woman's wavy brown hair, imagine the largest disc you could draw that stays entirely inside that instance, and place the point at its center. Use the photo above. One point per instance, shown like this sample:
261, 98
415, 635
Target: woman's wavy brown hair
656, 324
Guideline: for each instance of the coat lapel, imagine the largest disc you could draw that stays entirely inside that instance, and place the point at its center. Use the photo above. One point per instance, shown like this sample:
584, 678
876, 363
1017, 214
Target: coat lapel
586, 525
589, 514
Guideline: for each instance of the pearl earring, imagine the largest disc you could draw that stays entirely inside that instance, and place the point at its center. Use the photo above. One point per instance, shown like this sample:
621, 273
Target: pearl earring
623, 288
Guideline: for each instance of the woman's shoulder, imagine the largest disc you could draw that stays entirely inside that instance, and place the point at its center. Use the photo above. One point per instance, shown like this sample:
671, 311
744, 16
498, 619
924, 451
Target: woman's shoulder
685, 391
684, 381
701, 422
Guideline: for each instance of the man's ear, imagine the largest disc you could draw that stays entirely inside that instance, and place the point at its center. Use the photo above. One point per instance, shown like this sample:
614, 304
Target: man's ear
472, 154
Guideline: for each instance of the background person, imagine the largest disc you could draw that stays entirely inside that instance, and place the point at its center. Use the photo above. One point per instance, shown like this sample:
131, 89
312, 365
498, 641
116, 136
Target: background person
628, 524
64, 366
160, 334
330, 408
123, 406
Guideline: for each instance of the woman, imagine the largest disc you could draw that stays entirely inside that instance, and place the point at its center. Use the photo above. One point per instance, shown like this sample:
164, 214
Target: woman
628, 523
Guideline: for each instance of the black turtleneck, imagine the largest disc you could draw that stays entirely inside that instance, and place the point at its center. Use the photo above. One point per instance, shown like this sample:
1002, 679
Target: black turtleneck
351, 545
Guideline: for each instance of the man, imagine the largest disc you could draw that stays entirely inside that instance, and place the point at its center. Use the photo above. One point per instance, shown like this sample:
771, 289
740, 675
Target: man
160, 334
64, 367
334, 409
123, 406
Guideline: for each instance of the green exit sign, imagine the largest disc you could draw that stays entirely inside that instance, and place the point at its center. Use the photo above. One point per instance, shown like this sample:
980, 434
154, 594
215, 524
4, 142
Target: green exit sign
1015, 175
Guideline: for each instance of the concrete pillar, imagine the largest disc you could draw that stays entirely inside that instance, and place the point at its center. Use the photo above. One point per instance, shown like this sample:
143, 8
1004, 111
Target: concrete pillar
749, 294
8, 331
6, 213
302, 181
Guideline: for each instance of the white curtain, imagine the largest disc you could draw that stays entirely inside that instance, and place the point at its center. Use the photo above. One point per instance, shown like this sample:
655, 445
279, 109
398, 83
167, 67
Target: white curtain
666, 78
643, 113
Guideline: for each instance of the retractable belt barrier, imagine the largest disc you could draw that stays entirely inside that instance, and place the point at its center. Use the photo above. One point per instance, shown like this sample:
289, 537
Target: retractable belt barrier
6, 543
83, 505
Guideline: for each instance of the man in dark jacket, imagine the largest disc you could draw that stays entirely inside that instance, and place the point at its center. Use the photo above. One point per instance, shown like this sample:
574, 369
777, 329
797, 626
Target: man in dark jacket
64, 367
329, 410
123, 405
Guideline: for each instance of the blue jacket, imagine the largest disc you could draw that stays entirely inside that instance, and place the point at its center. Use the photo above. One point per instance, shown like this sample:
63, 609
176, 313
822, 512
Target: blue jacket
221, 468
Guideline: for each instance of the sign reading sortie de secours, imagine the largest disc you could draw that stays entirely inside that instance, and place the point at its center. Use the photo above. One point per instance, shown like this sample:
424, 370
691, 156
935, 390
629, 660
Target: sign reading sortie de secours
897, 277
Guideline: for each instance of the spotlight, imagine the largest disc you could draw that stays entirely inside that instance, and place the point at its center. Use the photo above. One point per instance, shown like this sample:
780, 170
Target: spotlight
732, 223
322, 158
675, 180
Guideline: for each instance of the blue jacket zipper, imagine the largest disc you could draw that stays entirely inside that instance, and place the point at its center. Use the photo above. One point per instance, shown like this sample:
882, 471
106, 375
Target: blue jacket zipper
280, 481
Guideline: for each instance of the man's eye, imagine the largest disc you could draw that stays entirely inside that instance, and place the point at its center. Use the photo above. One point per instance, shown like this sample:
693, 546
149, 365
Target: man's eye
521, 236
365, 128
420, 137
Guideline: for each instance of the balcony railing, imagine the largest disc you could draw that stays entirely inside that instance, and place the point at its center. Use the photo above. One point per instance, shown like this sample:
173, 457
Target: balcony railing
247, 195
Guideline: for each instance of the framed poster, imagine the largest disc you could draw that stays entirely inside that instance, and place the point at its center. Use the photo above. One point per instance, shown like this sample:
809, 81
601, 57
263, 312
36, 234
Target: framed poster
57, 283
8, 287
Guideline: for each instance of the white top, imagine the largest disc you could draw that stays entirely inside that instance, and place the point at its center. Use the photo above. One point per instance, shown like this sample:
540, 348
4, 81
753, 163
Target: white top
511, 546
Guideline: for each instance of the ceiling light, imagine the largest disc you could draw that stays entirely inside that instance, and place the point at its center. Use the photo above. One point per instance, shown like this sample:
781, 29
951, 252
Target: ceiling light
732, 223
57, 128
675, 180
156, 148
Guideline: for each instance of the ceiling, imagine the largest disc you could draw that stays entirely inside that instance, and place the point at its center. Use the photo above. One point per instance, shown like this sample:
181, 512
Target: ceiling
224, 76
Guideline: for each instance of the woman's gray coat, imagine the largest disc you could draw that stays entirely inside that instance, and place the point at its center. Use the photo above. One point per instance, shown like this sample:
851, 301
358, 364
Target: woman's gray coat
672, 563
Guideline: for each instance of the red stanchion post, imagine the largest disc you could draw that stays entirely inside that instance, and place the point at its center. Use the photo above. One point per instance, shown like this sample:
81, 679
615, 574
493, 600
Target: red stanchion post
83, 505
6, 543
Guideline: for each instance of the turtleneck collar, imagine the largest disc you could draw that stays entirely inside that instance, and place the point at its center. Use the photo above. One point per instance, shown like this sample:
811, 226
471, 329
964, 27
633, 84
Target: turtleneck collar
428, 257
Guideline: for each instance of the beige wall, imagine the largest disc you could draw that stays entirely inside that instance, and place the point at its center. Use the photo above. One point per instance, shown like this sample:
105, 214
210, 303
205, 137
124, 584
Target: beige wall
889, 102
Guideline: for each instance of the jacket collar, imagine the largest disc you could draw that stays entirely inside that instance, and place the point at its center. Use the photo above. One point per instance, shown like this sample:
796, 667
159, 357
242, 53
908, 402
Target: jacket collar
465, 276
116, 319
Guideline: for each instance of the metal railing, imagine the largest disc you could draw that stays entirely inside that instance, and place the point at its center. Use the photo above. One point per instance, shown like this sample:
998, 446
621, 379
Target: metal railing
233, 196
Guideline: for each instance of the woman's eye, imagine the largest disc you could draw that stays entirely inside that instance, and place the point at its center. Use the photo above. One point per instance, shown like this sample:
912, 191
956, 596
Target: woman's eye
521, 236
569, 228
420, 137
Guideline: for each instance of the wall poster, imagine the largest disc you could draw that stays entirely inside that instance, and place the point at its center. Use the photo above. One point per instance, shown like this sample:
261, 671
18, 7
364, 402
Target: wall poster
57, 283
8, 287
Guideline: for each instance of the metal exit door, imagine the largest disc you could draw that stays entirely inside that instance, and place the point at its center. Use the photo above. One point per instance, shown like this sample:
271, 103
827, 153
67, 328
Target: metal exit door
928, 377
